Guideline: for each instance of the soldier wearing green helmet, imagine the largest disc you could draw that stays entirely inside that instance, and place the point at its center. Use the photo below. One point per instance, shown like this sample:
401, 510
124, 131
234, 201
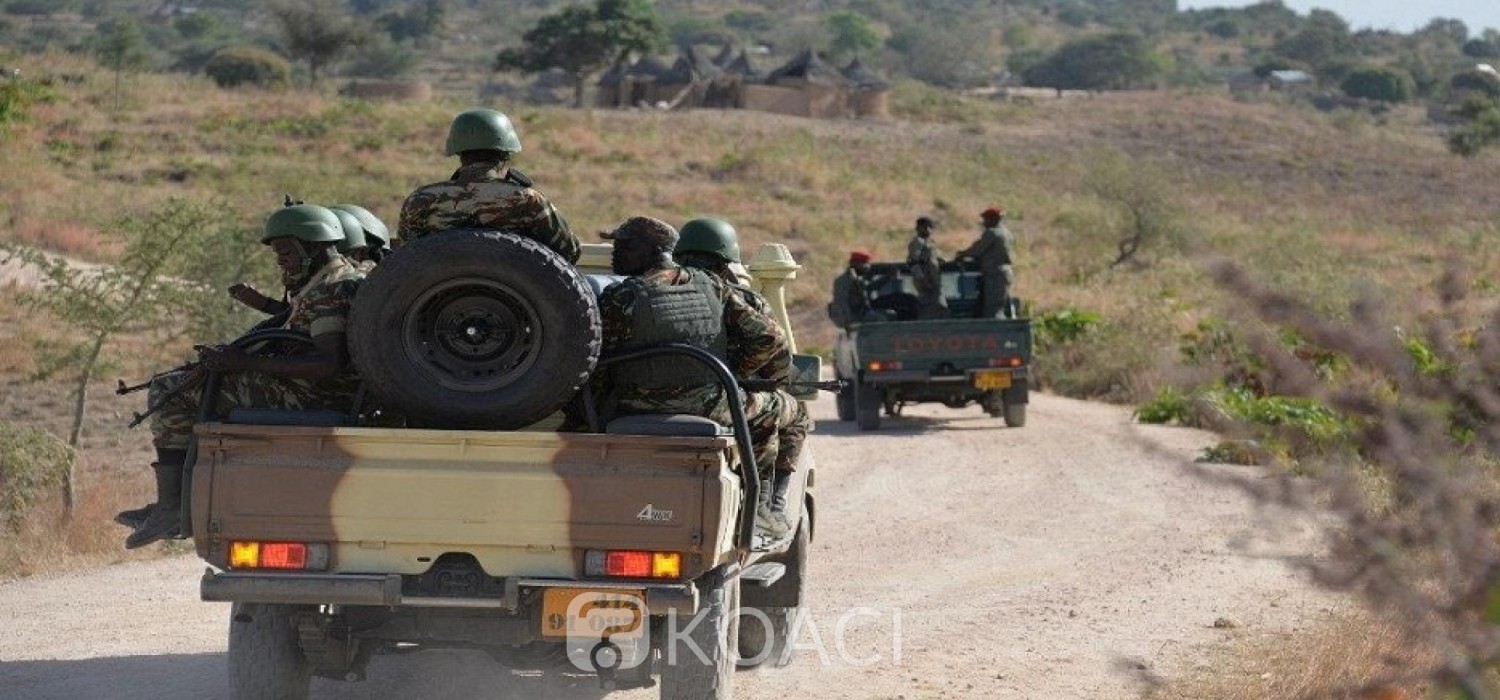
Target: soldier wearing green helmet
778, 421
486, 191
322, 285
376, 237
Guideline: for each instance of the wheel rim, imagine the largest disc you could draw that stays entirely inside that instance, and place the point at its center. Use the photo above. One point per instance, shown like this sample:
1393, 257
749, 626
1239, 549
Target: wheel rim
472, 334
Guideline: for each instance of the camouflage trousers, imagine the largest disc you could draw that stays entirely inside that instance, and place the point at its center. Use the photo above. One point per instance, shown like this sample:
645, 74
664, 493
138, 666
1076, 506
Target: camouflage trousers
778, 426
173, 424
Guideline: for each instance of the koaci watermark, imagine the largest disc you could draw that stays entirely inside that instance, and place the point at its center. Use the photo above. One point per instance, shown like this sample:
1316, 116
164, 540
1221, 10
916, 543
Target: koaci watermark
615, 631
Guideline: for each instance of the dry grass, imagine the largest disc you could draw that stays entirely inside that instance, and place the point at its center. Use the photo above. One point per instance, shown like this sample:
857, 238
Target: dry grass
1350, 657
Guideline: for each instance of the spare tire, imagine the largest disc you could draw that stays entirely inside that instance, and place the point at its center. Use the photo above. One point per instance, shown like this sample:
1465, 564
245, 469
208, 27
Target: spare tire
474, 329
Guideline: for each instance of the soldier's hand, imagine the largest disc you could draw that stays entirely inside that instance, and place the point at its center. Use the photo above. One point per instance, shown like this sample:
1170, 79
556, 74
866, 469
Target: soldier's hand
223, 358
248, 295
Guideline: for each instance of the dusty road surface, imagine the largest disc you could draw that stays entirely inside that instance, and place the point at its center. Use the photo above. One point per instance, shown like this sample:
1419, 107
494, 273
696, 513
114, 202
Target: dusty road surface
954, 558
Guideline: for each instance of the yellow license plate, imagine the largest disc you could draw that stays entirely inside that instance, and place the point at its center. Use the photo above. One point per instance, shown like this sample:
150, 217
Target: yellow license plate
581, 612
992, 379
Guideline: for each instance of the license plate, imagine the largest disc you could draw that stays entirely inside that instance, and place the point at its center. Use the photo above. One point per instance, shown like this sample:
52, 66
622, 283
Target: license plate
992, 379
581, 612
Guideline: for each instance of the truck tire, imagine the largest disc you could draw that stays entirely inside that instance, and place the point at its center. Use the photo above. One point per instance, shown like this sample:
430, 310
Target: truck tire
474, 329
844, 402
700, 665
265, 654
769, 640
867, 404
1015, 415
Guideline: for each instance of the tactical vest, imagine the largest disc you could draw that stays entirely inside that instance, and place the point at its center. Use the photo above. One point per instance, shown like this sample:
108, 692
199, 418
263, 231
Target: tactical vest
689, 313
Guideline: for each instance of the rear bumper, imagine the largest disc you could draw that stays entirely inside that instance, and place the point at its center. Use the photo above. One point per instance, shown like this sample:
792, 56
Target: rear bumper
385, 591
1017, 374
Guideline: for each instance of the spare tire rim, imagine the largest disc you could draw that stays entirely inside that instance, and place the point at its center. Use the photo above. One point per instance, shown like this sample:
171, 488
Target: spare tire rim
472, 334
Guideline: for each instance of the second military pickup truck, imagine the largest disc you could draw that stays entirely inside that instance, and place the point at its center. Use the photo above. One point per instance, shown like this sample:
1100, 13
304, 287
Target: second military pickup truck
950, 357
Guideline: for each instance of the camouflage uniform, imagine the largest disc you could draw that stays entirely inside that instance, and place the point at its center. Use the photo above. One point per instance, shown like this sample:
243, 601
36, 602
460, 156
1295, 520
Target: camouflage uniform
487, 194
755, 346
993, 251
320, 306
788, 415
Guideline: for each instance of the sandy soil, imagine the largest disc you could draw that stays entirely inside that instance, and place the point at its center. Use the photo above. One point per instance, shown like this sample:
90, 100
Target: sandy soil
1078, 557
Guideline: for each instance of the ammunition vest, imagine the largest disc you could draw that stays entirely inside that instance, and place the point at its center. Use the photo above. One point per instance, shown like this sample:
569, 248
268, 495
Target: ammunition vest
690, 313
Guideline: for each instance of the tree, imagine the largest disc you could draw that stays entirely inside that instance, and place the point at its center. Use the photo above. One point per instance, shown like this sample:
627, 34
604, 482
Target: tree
1316, 46
317, 32
1147, 210
583, 39
134, 295
122, 47
1116, 61
1378, 83
423, 20
852, 33
1481, 128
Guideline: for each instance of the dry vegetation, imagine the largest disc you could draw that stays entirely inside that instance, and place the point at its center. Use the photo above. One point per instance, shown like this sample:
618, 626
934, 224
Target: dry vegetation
1320, 208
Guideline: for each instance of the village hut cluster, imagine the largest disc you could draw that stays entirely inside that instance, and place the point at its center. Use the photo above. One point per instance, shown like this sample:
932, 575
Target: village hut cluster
805, 86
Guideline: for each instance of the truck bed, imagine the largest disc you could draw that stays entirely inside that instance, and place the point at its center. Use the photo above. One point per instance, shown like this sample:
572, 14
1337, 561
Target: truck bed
959, 343
522, 503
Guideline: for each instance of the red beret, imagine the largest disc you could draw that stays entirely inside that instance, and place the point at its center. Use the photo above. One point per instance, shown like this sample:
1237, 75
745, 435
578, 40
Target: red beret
992, 213
859, 256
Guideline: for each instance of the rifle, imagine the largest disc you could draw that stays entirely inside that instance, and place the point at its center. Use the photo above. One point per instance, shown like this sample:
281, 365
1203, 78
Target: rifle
195, 375
833, 385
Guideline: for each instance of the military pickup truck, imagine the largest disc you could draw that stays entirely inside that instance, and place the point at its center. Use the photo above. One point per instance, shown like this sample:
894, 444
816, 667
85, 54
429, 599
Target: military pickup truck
951, 357
628, 550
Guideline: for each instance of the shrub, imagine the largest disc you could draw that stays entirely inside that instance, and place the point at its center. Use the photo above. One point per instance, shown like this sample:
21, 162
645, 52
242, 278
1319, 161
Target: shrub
1378, 83
1054, 328
33, 463
1169, 406
247, 65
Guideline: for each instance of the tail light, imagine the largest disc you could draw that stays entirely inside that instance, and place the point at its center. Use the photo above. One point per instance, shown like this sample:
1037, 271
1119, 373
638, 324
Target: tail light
282, 556
1014, 361
879, 366
632, 563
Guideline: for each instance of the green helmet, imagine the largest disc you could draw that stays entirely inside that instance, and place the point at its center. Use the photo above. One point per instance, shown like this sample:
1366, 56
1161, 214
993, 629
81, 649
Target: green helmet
706, 235
305, 222
376, 234
482, 129
354, 233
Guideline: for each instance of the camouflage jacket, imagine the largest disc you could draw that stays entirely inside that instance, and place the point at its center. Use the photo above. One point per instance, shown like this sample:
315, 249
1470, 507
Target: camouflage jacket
322, 305
487, 195
756, 342
780, 372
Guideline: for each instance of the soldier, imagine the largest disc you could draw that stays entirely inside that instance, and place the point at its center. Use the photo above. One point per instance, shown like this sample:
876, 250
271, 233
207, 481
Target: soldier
993, 251
303, 237
851, 300
923, 259
661, 302
485, 191
713, 245
376, 237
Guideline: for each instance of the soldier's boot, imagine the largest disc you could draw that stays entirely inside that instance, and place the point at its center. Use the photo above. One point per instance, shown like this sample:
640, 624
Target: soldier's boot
162, 522
134, 517
770, 514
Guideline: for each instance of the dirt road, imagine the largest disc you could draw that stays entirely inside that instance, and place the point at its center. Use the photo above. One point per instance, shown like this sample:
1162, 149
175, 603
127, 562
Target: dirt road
955, 558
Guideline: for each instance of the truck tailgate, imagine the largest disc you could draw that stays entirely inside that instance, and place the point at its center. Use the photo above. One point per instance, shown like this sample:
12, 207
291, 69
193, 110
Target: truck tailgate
961, 343
522, 503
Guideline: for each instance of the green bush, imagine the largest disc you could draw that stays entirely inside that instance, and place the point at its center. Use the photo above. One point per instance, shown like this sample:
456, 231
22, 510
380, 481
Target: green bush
1054, 328
33, 463
1169, 406
16, 95
248, 65
1378, 83
1295, 418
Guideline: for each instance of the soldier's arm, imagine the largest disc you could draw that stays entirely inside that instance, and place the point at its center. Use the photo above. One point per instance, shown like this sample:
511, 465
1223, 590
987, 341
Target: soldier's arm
615, 307
529, 214
410, 223
757, 343
979, 248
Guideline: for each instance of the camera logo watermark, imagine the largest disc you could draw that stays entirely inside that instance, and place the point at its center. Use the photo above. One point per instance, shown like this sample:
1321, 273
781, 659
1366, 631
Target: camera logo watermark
613, 631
